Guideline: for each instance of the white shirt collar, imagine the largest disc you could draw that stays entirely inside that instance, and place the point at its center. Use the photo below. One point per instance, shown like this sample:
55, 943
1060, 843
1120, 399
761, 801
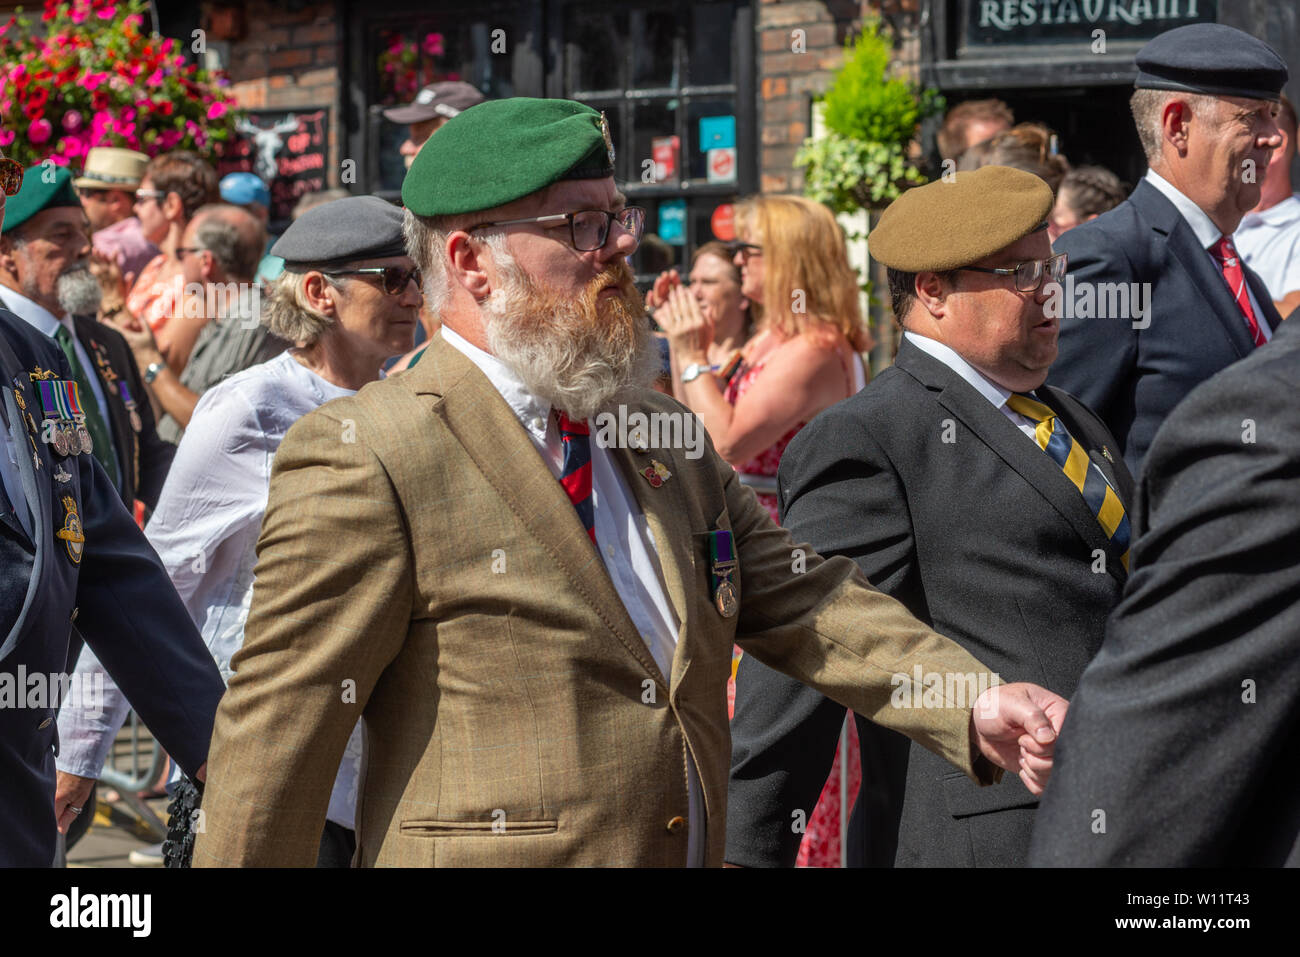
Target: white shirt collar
1279, 214
533, 413
936, 349
33, 313
1207, 234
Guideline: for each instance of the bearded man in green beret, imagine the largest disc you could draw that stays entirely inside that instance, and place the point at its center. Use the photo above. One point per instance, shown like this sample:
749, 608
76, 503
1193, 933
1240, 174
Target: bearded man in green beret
526, 569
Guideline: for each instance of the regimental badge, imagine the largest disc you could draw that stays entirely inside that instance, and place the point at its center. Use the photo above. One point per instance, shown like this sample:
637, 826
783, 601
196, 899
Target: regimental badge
1106, 452
132, 410
609, 140
40, 373
656, 473
62, 476
71, 531
106, 371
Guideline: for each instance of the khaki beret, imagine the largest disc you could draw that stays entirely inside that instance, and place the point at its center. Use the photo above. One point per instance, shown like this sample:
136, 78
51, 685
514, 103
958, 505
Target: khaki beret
955, 222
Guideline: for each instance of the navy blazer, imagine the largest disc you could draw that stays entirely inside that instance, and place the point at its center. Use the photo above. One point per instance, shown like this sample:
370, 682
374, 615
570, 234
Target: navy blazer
118, 594
1181, 745
1133, 378
948, 507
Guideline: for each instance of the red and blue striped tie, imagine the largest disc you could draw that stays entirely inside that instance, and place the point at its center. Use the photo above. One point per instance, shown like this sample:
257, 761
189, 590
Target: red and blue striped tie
575, 475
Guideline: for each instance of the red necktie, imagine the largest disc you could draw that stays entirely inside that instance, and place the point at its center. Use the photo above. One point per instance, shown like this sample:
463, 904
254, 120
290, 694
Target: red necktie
575, 474
1226, 254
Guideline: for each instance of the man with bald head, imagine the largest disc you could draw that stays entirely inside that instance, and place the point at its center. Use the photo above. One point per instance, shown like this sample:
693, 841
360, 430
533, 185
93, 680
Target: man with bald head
219, 333
1157, 299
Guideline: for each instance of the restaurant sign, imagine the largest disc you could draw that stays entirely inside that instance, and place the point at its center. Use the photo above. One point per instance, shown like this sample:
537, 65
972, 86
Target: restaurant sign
996, 22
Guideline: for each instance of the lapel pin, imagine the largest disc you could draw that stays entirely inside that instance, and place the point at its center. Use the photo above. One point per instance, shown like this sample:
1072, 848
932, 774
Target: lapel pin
1106, 452
656, 473
63, 476
71, 531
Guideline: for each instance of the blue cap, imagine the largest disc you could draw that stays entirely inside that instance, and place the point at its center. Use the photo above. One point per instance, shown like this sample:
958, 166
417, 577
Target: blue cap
1213, 59
240, 189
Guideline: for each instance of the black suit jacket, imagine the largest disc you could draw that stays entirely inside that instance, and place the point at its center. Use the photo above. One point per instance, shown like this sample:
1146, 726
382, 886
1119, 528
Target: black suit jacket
117, 593
144, 457
948, 507
1130, 377
1185, 731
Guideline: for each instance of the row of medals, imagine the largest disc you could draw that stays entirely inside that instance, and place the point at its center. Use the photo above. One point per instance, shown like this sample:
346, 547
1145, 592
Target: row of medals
71, 437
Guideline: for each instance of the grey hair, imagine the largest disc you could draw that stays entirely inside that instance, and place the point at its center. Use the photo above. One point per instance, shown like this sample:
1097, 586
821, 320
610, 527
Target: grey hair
1148, 107
238, 258
426, 244
287, 313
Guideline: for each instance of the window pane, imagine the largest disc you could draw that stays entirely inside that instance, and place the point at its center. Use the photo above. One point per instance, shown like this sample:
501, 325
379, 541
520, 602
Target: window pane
652, 120
654, 63
595, 40
710, 43
697, 166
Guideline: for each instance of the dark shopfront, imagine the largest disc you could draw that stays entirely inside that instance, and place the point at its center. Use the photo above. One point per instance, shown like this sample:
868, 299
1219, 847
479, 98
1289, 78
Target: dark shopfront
1047, 61
675, 77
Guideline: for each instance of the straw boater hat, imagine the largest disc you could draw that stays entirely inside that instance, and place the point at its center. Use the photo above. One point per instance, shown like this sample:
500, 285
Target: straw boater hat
108, 167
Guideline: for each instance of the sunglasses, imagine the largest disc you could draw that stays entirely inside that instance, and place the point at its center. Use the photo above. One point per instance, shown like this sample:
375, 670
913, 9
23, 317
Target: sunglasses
11, 176
395, 278
746, 250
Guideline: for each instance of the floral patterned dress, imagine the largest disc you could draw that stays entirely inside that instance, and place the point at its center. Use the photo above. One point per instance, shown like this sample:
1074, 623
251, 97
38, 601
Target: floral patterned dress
821, 840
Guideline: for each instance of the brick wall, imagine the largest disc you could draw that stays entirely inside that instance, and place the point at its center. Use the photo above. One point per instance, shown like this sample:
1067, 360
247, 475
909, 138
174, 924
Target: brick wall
289, 60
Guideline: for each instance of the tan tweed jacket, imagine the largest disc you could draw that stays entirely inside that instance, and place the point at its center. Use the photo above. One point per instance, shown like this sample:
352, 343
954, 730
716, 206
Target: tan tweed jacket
419, 564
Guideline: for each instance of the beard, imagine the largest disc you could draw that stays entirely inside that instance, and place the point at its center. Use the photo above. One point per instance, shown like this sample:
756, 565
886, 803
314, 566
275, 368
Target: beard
583, 353
78, 291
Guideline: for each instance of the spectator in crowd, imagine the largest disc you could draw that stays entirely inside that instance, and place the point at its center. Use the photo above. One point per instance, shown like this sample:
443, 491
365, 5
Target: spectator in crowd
802, 358
174, 186
1159, 300
348, 299
433, 106
936, 481
47, 280
107, 188
219, 252
724, 310
971, 122
1086, 192
1269, 235
527, 699
1031, 147
271, 266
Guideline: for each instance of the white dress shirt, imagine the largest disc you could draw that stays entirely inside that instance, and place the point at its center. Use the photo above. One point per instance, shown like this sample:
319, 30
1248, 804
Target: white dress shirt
1269, 242
205, 530
623, 539
47, 323
1207, 234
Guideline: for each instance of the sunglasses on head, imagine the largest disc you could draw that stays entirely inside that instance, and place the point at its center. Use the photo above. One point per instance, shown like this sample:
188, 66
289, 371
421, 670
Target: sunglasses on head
11, 176
395, 278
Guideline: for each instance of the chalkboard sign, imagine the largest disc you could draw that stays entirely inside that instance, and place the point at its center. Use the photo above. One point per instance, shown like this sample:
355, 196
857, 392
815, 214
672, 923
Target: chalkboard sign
999, 22
287, 150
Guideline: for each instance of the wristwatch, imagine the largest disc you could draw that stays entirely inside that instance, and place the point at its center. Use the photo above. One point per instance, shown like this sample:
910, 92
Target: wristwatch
151, 373
694, 371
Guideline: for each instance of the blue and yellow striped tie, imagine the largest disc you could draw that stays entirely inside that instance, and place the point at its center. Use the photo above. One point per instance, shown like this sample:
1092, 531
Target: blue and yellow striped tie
1069, 455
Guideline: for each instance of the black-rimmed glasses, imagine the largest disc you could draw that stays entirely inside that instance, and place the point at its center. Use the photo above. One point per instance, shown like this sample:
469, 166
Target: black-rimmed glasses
395, 278
746, 250
11, 176
588, 228
1029, 275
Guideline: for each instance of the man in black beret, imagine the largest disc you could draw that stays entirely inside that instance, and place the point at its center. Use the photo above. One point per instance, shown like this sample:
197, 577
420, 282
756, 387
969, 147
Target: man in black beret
1157, 299
527, 569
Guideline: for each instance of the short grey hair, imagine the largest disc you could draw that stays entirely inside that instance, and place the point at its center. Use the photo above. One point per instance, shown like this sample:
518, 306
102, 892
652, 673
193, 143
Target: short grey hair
426, 244
237, 252
1148, 108
287, 313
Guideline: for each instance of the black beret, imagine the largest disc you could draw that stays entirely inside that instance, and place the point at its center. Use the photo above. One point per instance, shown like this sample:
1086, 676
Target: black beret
1213, 59
342, 231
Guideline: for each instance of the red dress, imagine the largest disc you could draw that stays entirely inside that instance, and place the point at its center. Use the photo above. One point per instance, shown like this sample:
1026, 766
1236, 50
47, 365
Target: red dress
821, 840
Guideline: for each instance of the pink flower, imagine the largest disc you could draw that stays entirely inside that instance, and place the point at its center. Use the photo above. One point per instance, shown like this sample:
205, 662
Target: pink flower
433, 44
40, 130
78, 15
107, 13
92, 81
72, 121
155, 78
7, 137
216, 111
58, 160
71, 147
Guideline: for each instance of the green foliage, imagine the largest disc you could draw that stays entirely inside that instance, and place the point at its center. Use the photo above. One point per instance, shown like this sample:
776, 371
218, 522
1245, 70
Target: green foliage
871, 119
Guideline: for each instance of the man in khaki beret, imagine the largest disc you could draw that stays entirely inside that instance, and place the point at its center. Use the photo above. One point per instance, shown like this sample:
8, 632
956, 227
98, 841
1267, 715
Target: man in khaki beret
991, 507
526, 569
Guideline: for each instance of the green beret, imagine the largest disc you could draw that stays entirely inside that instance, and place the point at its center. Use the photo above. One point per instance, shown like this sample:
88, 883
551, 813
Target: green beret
955, 222
44, 187
502, 150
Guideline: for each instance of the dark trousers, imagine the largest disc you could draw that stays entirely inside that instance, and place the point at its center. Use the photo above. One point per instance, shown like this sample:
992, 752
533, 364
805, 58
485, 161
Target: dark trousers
337, 845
